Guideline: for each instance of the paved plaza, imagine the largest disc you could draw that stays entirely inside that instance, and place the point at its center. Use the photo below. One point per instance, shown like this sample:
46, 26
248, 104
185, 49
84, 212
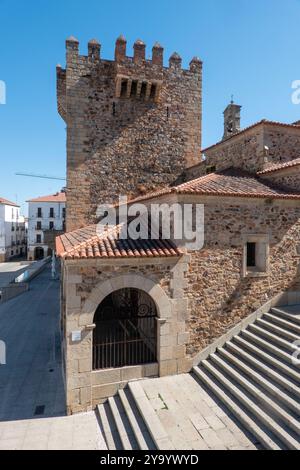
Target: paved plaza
32, 406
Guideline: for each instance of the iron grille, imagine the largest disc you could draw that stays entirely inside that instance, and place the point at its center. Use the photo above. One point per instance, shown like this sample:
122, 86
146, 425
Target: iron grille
126, 332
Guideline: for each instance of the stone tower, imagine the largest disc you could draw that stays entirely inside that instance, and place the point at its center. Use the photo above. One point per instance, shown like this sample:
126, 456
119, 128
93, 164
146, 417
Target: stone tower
133, 125
232, 120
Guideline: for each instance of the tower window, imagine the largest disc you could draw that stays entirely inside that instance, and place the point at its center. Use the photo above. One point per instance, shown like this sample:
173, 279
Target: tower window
153, 91
124, 88
143, 90
133, 88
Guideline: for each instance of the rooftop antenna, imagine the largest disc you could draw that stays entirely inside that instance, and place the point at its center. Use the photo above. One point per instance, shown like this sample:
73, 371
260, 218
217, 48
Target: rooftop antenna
231, 99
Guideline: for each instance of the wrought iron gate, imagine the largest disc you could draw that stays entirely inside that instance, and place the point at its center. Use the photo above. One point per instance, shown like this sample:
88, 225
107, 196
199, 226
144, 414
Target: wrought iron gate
126, 331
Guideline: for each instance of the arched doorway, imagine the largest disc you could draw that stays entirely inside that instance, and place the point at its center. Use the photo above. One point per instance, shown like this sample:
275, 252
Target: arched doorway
38, 253
126, 330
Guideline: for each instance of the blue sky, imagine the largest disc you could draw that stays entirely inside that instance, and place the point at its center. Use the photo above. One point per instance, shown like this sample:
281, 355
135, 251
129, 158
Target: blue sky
250, 48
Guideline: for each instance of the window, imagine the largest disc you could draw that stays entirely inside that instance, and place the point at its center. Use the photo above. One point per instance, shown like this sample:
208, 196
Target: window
123, 88
251, 255
133, 88
39, 225
51, 225
38, 238
39, 212
210, 169
256, 255
64, 212
51, 212
143, 90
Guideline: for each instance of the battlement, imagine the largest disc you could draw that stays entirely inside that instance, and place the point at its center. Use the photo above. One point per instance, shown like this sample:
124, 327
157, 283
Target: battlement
139, 54
132, 123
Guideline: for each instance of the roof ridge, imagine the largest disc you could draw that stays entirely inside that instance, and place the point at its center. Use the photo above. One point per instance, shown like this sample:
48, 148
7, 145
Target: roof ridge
245, 129
280, 166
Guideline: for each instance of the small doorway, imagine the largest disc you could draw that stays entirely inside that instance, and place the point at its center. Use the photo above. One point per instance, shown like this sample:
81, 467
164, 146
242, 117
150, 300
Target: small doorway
126, 330
38, 253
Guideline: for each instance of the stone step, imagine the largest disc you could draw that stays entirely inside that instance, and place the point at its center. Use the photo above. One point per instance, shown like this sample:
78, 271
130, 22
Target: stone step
281, 312
247, 400
260, 379
266, 345
109, 427
278, 330
273, 338
122, 424
282, 322
138, 426
151, 420
263, 367
246, 341
266, 401
249, 422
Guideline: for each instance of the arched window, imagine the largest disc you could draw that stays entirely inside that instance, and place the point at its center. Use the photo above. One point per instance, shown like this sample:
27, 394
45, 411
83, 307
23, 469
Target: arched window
126, 330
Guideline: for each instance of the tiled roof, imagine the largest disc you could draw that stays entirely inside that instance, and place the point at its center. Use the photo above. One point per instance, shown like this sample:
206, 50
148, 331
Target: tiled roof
231, 182
85, 243
7, 202
57, 197
280, 166
263, 121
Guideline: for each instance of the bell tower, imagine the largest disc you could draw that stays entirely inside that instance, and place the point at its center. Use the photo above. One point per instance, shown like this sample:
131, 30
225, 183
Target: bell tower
232, 120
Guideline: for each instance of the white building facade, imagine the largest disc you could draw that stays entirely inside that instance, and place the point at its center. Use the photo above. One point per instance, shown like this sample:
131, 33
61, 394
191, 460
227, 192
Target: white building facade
46, 220
13, 236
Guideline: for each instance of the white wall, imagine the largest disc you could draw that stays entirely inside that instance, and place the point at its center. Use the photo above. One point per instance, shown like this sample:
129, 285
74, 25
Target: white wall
45, 220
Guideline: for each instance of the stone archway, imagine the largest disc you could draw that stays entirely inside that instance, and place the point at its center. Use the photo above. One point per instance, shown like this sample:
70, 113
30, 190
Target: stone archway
162, 301
126, 330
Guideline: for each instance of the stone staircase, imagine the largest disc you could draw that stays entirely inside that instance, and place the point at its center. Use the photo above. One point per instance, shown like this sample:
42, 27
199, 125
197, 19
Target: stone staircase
252, 375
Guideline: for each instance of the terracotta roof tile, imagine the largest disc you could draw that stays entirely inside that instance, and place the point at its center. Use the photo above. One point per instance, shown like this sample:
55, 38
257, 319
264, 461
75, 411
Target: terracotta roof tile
85, 243
280, 166
57, 197
231, 182
7, 202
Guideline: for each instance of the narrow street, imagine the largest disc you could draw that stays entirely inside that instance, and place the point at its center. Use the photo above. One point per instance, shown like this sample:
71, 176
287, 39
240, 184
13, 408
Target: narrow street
31, 382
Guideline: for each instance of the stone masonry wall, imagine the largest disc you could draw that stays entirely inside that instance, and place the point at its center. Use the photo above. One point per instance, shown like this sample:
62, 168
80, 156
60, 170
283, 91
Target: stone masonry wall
132, 124
218, 294
84, 284
289, 179
256, 149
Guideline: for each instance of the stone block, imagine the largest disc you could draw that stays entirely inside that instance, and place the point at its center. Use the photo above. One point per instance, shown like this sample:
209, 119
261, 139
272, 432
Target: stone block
184, 365
105, 391
150, 370
85, 365
85, 395
131, 373
106, 376
168, 367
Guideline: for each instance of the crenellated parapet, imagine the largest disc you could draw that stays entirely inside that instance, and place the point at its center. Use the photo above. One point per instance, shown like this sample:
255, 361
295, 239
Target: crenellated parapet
121, 57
